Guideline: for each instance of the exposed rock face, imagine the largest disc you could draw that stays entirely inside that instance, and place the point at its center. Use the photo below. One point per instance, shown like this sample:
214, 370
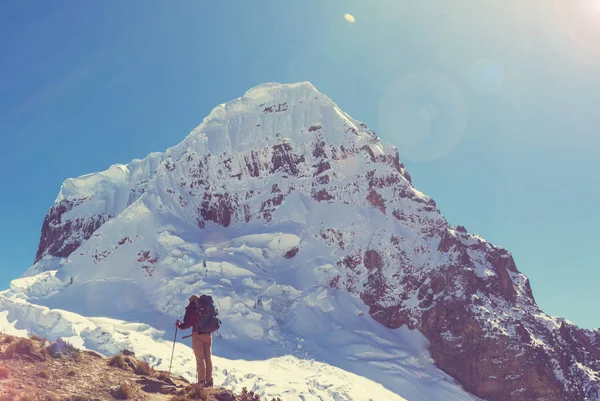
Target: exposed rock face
251, 156
60, 237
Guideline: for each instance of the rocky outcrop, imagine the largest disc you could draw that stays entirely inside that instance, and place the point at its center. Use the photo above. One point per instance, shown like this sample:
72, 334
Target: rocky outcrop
62, 236
485, 329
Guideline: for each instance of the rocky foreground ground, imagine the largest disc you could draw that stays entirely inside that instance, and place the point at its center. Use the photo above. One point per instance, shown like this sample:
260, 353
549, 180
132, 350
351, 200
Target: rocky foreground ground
33, 369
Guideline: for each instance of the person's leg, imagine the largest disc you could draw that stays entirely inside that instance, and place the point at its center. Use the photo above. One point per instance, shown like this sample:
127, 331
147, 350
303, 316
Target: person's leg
198, 347
207, 345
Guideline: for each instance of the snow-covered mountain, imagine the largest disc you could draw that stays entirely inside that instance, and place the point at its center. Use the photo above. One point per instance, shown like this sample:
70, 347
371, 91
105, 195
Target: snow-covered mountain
326, 262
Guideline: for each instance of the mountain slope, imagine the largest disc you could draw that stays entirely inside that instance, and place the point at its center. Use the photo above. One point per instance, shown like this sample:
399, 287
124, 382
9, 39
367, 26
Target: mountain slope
308, 230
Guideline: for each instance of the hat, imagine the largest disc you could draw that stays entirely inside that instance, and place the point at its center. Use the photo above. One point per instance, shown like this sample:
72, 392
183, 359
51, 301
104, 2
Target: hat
193, 298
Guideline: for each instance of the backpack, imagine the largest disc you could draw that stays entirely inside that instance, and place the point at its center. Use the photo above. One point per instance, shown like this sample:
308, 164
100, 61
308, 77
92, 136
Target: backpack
206, 320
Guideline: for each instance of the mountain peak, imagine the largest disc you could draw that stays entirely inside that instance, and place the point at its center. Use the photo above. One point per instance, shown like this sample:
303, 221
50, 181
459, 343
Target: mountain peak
273, 113
272, 90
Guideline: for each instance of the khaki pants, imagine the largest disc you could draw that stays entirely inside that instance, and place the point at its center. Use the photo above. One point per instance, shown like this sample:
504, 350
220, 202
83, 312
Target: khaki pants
201, 344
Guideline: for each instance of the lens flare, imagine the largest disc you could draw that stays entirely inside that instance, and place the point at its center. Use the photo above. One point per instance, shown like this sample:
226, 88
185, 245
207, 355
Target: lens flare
486, 77
350, 18
424, 115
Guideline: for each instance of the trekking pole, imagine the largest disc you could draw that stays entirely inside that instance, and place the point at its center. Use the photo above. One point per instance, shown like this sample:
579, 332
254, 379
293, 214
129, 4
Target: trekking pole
172, 352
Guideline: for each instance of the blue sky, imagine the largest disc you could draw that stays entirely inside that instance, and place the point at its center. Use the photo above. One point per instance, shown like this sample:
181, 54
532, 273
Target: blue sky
492, 104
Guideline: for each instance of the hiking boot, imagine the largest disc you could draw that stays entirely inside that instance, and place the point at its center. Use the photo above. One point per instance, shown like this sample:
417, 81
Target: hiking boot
208, 383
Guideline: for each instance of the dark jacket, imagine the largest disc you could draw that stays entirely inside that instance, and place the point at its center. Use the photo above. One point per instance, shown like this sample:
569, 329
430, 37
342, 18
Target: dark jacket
188, 319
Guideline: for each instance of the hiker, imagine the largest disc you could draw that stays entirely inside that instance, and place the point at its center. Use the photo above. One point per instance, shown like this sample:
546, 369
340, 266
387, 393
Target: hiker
200, 314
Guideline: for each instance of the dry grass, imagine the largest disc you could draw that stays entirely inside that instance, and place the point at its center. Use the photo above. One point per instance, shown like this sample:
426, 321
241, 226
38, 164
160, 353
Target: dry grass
4, 372
42, 374
124, 392
27, 397
78, 398
62, 349
35, 337
246, 395
191, 392
7, 396
118, 361
23, 347
142, 368
162, 375
10, 395
89, 377
49, 397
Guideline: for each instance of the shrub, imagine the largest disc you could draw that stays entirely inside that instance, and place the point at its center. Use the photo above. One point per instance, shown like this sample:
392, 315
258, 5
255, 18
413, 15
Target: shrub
143, 368
23, 346
162, 375
27, 397
62, 349
223, 395
123, 392
191, 392
118, 362
196, 392
9, 352
248, 395
4, 372
35, 337
8, 340
71, 373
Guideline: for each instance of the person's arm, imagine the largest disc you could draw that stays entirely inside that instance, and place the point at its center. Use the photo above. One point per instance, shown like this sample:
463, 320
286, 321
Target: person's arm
187, 319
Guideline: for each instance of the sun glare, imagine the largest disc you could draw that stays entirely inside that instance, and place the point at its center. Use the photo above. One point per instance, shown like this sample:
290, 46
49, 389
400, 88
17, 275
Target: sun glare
350, 18
580, 21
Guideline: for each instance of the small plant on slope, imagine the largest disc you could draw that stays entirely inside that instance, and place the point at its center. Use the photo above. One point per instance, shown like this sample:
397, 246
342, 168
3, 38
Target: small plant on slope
118, 361
123, 392
143, 368
35, 337
248, 396
22, 347
191, 392
62, 349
